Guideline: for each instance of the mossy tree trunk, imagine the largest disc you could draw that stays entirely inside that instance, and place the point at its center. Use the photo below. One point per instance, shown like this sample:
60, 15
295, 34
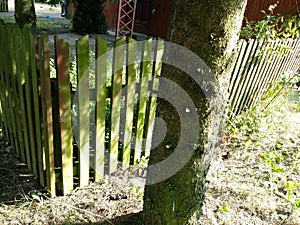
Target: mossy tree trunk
25, 13
210, 29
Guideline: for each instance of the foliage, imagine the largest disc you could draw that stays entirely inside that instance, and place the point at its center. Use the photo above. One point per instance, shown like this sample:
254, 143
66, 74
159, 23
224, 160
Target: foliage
89, 17
282, 26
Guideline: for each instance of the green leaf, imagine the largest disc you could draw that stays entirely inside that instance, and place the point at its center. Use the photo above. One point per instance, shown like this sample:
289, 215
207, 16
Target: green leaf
296, 203
224, 208
277, 169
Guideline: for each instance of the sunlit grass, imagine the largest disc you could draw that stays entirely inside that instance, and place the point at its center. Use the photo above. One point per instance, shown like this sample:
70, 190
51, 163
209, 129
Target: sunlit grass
45, 25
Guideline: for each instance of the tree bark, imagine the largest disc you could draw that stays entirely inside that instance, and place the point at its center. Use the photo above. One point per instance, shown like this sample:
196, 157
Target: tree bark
209, 28
25, 13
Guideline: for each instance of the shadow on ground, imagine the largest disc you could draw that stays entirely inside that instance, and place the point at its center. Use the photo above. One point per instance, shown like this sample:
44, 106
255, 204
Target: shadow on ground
16, 180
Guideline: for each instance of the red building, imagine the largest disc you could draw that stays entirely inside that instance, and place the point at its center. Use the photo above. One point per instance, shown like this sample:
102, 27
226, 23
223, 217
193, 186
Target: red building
152, 16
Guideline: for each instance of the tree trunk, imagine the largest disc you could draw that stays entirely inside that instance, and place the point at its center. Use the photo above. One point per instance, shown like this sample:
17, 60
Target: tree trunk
25, 13
210, 29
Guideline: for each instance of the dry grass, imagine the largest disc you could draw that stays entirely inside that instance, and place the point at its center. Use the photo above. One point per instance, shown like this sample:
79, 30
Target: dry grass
256, 178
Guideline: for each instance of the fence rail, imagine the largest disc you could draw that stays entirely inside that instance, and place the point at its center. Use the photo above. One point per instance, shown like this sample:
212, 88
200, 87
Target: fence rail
68, 138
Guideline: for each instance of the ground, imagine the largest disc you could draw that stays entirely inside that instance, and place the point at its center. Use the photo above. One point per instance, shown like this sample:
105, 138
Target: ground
253, 180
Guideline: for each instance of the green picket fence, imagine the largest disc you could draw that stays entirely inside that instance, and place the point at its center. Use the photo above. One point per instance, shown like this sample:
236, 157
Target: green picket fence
65, 139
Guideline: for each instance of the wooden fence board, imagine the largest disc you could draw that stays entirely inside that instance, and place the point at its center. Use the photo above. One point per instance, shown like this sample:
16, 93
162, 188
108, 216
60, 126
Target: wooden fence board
100, 112
249, 77
145, 76
267, 75
157, 65
293, 62
287, 57
234, 75
297, 56
65, 114
256, 73
23, 128
275, 70
82, 52
29, 99
20, 110
239, 67
263, 71
22, 69
115, 103
246, 65
294, 55
130, 101
7, 78
15, 103
39, 154
47, 132
2, 81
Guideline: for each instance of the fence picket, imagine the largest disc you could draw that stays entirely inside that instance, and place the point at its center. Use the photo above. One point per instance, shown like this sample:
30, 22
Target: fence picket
82, 53
36, 109
250, 77
3, 56
262, 72
130, 101
100, 112
256, 73
157, 65
238, 94
20, 107
12, 29
7, 83
266, 75
236, 77
21, 65
28, 45
115, 103
145, 76
242, 45
47, 121
65, 114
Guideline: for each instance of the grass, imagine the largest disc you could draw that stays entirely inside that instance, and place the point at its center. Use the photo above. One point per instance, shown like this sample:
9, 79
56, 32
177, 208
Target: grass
45, 25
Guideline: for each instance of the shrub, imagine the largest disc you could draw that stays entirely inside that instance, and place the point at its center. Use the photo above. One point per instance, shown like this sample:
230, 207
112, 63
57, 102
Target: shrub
89, 17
